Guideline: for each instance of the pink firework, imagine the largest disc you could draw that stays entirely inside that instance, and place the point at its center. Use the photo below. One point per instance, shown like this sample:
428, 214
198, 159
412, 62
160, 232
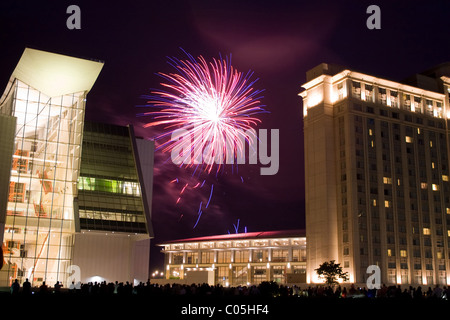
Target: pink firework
205, 106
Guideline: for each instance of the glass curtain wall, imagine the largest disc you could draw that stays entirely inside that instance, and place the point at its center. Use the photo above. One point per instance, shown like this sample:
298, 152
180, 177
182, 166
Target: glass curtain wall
39, 225
109, 193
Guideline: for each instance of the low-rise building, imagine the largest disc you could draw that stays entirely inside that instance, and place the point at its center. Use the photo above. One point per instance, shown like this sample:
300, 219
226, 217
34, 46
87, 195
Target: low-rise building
238, 259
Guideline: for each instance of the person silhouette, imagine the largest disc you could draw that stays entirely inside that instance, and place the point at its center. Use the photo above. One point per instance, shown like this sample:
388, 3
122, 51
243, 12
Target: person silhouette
15, 287
26, 287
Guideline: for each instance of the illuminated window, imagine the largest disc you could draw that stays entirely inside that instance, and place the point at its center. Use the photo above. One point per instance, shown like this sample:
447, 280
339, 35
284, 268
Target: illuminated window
108, 185
448, 233
418, 130
423, 185
435, 187
356, 89
431, 144
408, 139
448, 210
279, 255
191, 257
389, 252
260, 256
241, 256
387, 204
432, 165
207, 257
439, 255
177, 258
387, 180
370, 132
398, 182
223, 257
444, 177
403, 253
374, 202
426, 231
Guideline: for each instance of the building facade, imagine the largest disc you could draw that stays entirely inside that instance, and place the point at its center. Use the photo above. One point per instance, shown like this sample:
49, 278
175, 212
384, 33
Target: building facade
239, 259
75, 196
377, 174
41, 115
113, 206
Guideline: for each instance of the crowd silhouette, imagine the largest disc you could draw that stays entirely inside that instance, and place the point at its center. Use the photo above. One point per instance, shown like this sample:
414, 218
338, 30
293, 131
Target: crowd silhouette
267, 289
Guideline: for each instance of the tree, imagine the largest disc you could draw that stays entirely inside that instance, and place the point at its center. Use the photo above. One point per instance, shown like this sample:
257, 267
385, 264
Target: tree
331, 272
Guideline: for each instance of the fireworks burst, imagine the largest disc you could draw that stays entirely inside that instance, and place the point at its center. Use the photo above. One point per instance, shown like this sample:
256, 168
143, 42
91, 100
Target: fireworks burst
214, 106
213, 103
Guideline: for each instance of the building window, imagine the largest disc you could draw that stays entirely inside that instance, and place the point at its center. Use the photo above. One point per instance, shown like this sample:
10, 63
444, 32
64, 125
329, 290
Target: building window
423, 185
279, 255
356, 89
390, 253
435, 187
222, 275
259, 274
382, 95
392, 99
367, 94
260, 256
387, 180
387, 204
403, 253
223, 257
298, 255
192, 257
426, 231
408, 139
207, 257
241, 256
278, 274
177, 258
444, 177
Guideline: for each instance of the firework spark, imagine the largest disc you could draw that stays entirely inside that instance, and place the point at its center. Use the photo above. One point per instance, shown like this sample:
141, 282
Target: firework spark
214, 103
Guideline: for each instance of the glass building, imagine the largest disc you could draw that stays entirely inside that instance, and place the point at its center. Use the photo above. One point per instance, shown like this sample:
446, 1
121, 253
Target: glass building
113, 207
109, 189
41, 124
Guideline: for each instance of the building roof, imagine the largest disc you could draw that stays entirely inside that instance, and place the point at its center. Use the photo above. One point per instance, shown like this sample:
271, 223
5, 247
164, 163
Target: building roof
243, 236
56, 74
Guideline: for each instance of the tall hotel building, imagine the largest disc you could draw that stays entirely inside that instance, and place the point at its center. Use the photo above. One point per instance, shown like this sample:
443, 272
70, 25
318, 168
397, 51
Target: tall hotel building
45, 206
377, 174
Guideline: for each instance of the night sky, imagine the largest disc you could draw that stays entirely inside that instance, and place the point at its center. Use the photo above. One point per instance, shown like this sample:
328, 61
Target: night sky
278, 40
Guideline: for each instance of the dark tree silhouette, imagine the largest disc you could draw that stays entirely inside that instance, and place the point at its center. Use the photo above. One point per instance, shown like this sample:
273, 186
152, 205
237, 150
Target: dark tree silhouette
331, 272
